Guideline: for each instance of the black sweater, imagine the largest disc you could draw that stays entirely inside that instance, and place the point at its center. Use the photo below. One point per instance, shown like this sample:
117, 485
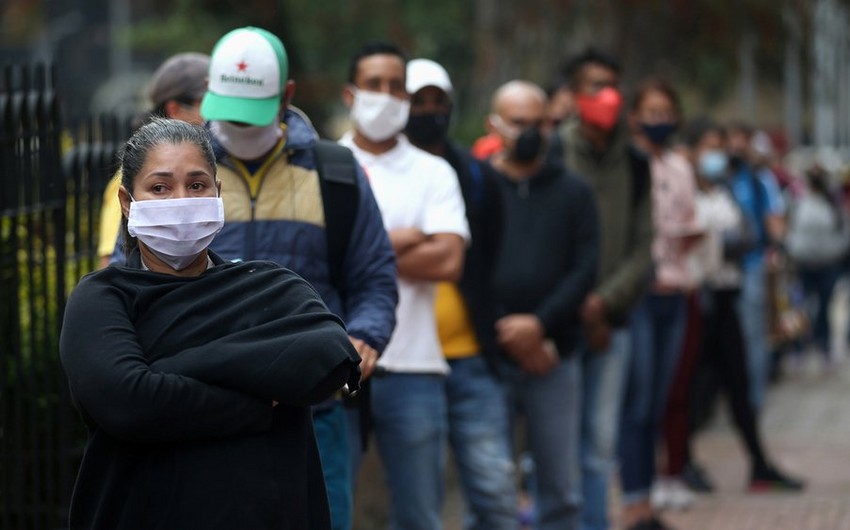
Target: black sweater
175, 379
547, 264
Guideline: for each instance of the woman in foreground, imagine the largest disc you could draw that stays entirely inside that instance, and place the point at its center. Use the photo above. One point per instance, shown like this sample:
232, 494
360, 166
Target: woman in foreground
194, 376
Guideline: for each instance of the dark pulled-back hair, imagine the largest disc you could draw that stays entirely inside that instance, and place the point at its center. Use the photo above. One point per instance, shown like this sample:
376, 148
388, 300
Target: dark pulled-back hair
573, 68
657, 84
158, 131
373, 47
698, 128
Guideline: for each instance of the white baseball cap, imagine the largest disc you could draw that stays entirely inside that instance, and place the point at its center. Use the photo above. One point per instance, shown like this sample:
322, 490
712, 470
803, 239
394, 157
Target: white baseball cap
425, 72
248, 71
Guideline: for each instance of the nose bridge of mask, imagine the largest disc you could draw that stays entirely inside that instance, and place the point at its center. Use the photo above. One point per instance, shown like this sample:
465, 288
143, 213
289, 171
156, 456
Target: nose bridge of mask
174, 216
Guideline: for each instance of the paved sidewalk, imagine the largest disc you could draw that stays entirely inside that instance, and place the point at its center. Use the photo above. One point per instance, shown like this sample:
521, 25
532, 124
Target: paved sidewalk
806, 428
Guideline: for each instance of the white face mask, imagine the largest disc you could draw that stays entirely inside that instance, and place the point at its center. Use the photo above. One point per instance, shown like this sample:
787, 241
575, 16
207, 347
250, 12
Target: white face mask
246, 143
176, 230
379, 116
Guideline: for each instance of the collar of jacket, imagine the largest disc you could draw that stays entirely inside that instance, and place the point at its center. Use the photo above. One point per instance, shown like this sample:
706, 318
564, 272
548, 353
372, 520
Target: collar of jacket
620, 138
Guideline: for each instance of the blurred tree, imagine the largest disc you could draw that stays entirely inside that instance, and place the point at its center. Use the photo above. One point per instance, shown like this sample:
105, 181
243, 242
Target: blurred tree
732, 51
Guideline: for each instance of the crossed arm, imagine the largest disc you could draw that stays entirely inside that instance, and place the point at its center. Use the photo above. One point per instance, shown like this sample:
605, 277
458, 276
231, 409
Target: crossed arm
422, 257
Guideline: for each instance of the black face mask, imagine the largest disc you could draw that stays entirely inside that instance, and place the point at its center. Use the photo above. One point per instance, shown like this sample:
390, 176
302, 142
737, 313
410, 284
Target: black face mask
736, 160
427, 129
528, 146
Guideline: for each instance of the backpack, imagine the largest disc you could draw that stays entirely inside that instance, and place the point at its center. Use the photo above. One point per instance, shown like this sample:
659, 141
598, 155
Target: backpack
817, 232
337, 170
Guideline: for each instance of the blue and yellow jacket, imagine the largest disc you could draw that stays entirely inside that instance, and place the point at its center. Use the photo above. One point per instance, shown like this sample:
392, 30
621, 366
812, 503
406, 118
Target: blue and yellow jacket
276, 213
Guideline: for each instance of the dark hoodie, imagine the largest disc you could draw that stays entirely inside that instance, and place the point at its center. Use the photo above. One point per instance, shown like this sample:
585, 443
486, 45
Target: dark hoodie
549, 251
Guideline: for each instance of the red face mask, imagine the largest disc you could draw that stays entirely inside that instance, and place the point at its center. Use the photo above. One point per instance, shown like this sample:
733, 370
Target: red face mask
601, 109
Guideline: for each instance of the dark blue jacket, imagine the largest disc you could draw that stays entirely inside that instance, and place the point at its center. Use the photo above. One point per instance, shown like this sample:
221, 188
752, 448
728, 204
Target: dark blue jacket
276, 213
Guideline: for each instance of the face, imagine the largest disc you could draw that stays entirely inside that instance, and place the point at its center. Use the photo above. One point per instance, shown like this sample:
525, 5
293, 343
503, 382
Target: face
594, 77
739, 142
710, 141
520, 112
189, 112
430, 100
171, 172
654, 108
383, 73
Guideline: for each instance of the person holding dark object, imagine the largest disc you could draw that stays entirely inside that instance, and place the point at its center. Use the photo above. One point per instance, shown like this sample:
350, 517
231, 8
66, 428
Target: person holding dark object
194, 375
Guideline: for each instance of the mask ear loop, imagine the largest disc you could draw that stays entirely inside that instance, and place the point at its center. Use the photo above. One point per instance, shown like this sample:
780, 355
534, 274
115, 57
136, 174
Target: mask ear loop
503, 127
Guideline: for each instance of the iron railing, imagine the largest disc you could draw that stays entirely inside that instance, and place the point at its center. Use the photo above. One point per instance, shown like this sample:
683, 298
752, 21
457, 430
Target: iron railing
51, 181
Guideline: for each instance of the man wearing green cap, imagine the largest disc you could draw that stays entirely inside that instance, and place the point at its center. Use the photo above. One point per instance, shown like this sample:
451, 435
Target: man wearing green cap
323, 223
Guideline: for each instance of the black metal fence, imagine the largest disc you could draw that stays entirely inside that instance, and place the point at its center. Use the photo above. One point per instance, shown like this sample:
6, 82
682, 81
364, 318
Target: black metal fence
51, 182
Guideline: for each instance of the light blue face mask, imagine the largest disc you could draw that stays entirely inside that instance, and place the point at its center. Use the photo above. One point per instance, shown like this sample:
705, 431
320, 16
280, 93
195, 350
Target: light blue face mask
713, 165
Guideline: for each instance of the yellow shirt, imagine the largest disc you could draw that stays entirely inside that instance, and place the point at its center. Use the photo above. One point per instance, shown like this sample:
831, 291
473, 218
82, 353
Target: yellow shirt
457, 336
110, 217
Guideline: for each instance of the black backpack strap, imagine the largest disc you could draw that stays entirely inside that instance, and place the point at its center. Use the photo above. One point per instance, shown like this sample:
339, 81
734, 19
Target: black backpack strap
340, 198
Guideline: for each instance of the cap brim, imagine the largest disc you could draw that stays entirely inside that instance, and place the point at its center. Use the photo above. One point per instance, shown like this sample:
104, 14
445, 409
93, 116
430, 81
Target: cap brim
257, 112
416, 86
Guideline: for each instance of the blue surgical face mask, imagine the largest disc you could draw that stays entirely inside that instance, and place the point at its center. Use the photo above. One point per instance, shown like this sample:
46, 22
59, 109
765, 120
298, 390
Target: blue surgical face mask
712, 165
658, 133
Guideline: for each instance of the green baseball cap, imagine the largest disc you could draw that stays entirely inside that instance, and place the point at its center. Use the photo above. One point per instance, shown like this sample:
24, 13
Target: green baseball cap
248, 72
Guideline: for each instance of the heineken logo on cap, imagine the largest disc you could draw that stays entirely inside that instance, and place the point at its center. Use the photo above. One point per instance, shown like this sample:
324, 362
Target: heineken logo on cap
236, 79
248, 72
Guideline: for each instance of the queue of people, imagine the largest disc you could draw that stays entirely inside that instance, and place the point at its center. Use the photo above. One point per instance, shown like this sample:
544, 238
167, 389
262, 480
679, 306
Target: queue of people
582, 272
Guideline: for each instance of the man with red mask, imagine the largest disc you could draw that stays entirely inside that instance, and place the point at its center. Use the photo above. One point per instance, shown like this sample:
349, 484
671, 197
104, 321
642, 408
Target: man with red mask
598, 147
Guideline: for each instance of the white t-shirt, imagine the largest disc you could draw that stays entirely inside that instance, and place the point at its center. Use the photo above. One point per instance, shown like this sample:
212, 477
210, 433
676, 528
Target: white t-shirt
414, 189
718, 213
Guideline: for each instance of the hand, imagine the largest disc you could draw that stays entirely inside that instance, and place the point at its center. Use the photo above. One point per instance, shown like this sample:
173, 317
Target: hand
403, 239
521, 332
598, 336
368, 357
522, 336
540, 361
593, 309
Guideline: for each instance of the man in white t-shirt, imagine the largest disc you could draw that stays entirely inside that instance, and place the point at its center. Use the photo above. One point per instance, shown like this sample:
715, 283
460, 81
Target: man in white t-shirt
423, 212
